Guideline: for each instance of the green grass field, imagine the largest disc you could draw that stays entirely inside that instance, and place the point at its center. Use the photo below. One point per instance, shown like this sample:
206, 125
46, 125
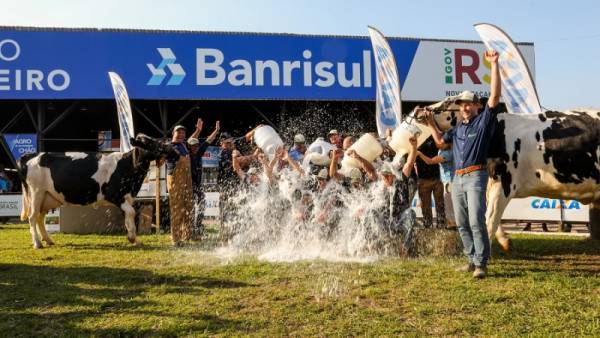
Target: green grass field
101, 286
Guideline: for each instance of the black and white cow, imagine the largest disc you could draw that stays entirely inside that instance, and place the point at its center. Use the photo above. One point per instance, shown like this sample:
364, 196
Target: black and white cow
77, 178
552, 155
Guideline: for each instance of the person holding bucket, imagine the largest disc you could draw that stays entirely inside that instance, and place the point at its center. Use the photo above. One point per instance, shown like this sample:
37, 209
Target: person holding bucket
470, 143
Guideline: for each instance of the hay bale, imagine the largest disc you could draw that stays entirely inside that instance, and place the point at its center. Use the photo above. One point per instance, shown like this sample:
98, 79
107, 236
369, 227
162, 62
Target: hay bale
438, 242
145, 219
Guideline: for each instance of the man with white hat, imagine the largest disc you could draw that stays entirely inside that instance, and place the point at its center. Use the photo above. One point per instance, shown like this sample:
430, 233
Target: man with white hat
298, 150
470, 142
335, 138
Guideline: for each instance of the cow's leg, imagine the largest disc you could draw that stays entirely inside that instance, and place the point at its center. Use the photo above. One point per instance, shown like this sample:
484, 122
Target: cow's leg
129, 211
42, 227
35, 203
496, 203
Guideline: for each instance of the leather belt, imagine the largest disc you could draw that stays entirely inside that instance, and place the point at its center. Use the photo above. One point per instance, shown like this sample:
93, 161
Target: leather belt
470, 169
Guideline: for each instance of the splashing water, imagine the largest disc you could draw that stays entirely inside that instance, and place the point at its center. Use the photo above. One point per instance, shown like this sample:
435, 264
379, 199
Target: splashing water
293, 220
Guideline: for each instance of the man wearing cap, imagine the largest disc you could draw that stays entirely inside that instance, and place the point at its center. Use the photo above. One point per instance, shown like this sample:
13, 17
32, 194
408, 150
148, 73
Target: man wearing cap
179, 185
197, 150
470, 142
298, 150
335, 138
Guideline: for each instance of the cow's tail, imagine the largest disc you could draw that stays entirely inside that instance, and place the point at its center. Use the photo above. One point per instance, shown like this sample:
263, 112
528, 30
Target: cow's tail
22, 172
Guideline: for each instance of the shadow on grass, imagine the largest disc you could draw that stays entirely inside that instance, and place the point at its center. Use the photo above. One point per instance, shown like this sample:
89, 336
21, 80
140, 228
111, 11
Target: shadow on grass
35, 298
566, 255
525, 247
125, 246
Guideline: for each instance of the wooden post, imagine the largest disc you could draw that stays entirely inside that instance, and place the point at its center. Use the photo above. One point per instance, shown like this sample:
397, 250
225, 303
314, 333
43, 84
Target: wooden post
594, 221
157, 197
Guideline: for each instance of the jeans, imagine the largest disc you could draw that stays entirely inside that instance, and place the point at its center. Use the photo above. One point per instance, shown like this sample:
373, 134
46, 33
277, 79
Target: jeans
468, 197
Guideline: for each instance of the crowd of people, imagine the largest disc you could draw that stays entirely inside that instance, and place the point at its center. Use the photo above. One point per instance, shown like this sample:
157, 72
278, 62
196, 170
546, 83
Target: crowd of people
318, 191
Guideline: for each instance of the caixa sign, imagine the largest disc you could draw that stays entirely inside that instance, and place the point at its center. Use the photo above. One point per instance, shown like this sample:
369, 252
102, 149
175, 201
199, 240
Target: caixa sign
18, 79
545, 203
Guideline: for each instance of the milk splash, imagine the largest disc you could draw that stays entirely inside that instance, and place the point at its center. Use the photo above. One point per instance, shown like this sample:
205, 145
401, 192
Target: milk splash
294, 220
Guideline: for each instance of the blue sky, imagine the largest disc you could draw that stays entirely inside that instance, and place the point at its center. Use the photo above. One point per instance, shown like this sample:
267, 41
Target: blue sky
566, 34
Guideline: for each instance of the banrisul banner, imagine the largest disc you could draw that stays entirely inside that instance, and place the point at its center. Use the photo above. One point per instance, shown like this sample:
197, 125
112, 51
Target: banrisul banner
21, 144
72, 64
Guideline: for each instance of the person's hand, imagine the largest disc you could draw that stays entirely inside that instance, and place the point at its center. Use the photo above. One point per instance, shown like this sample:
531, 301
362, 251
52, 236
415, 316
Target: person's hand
352, 153
413, 142
420, 154
429, 118
218, 126
337, 154
199, 124
491, 56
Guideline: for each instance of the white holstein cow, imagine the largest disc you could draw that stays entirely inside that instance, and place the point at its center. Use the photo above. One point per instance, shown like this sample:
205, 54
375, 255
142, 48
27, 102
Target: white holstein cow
76, 178
551, 155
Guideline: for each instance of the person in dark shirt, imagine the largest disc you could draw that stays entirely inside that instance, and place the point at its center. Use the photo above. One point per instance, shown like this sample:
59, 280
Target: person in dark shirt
470, 143
226, 178
430, 182
197, 150
398, 192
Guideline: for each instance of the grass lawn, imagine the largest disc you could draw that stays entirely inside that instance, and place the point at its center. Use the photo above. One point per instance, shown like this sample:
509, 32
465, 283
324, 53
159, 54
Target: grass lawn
101, 286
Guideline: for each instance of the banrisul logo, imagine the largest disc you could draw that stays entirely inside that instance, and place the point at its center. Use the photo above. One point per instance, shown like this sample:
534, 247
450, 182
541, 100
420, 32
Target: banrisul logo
159, 73
461, 64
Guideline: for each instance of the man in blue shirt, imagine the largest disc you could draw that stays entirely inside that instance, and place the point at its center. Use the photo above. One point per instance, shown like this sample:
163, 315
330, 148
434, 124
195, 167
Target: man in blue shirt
297, 152
470, 142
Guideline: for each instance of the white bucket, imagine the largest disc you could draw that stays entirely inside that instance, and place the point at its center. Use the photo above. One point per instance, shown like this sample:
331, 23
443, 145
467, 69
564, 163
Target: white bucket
318, 153
267, 139
399, 142
367, 146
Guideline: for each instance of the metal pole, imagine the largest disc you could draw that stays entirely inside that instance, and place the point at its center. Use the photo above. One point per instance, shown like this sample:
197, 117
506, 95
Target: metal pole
157, 197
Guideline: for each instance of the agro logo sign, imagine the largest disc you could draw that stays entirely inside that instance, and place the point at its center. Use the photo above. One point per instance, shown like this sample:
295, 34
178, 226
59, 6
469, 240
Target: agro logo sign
461, 66
18, 79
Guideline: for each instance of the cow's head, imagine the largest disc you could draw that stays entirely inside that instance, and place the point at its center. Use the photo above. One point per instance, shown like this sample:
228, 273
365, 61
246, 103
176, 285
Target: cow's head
445, 114
154, 148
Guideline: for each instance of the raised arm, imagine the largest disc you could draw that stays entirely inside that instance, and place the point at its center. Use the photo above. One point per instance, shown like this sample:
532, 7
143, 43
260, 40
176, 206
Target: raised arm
237, 167
333, 171
199, 125
412, 156
366, 165
267, 167
430, 160
495, 88
211, 138
436, 134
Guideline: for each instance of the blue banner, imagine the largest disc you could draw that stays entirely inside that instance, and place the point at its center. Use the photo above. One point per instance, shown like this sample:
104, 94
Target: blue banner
21, 144
72, 64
